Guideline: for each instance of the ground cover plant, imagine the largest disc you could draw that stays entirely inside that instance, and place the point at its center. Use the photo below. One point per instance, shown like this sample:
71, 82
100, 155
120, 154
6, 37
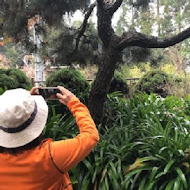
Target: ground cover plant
144, 144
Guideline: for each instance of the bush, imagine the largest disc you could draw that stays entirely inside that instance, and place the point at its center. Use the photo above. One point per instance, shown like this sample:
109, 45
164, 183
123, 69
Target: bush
71, 79
155, 81
14, 78
119, 83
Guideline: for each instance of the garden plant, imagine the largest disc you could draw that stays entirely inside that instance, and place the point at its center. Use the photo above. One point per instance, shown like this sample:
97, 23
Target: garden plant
144, 144
14, 78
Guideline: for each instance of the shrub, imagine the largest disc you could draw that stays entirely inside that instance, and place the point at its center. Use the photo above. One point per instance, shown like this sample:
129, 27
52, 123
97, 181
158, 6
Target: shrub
118, 83
71, 79
14, 78
155, 81
2, 91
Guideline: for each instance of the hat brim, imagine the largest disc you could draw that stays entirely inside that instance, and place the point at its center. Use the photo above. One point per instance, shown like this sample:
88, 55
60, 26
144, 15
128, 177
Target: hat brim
14, 140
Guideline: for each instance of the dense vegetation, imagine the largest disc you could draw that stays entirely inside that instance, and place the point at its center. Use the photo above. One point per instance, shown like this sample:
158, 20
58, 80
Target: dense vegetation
144, 140
144, 145
71, 79
14, 78
118, 83
155, 81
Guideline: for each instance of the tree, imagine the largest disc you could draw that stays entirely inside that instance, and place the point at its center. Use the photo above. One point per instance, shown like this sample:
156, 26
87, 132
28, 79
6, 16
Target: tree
67, 47
16, 14
62, 40
113, 45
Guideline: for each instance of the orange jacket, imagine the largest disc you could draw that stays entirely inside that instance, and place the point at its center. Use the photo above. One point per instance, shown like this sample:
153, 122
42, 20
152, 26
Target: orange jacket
46, 167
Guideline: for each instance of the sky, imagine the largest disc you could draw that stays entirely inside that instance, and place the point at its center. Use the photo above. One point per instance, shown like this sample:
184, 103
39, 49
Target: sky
78, 16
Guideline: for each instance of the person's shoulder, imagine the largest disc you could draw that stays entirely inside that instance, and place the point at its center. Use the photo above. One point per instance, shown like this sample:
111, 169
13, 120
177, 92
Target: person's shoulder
45, 142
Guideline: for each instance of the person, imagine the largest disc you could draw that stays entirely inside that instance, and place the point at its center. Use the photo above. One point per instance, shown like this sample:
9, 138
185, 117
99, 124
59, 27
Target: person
26, 161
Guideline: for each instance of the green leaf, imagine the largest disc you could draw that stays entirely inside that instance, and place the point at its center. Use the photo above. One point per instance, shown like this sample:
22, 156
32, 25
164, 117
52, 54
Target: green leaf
166, 169
177, 183
170, 185
153, 173
182, 176
89, 166
142, 185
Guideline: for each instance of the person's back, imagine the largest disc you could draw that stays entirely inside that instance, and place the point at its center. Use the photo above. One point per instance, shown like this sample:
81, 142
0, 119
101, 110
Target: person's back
45, 165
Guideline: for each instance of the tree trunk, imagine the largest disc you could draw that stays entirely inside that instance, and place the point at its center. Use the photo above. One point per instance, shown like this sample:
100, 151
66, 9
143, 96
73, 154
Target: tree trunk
113, 46
101, 84
158, 16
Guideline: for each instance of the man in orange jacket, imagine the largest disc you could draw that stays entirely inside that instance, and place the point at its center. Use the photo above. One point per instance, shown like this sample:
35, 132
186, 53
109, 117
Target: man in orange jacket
26, 162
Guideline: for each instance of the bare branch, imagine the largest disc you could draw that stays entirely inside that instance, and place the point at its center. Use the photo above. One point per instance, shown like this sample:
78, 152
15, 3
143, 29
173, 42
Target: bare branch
84, 25
133, 38
115, 6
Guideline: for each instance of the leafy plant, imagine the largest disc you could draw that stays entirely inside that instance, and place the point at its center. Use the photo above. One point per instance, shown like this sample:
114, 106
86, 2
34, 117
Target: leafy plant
2, 90
70, 78
59, 126
145, 143
118, 83
155, 81
14, 78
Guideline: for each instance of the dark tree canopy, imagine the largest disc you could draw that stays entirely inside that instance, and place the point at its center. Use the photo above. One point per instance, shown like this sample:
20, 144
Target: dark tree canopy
16, 13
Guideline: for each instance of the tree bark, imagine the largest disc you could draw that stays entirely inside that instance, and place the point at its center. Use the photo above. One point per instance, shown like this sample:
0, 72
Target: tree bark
101, 84
110, 56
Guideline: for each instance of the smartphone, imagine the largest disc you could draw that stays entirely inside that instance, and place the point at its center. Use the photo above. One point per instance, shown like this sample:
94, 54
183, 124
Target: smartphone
49, 93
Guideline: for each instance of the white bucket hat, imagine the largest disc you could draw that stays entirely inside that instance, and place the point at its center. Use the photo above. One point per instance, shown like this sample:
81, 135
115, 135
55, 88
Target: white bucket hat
22, 117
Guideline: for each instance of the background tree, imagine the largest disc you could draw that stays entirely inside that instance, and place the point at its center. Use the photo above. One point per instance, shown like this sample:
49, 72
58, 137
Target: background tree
61, 40
65, 48
113, 45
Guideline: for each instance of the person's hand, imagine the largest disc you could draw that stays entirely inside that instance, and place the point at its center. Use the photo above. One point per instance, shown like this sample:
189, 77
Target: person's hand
66, 95
34, 90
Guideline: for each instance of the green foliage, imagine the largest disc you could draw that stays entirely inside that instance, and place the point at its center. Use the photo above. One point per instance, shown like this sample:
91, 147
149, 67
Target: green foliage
16, 14
119, 83
136, 55
14, 78
71, 79
144, 144
14, 54
162, 141
59, 126
61, 41
155, 81
2, 90
139, 3
53, 10
15, 24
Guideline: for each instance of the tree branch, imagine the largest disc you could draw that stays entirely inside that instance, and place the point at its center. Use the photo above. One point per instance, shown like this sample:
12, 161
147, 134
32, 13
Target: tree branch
84, 25
133, 38
115, 6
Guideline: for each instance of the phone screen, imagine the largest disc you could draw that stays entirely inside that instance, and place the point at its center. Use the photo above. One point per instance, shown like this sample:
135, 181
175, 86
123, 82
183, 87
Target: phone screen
49, 93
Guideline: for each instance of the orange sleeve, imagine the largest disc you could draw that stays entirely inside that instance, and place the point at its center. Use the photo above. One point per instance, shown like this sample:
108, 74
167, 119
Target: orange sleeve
68, 153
